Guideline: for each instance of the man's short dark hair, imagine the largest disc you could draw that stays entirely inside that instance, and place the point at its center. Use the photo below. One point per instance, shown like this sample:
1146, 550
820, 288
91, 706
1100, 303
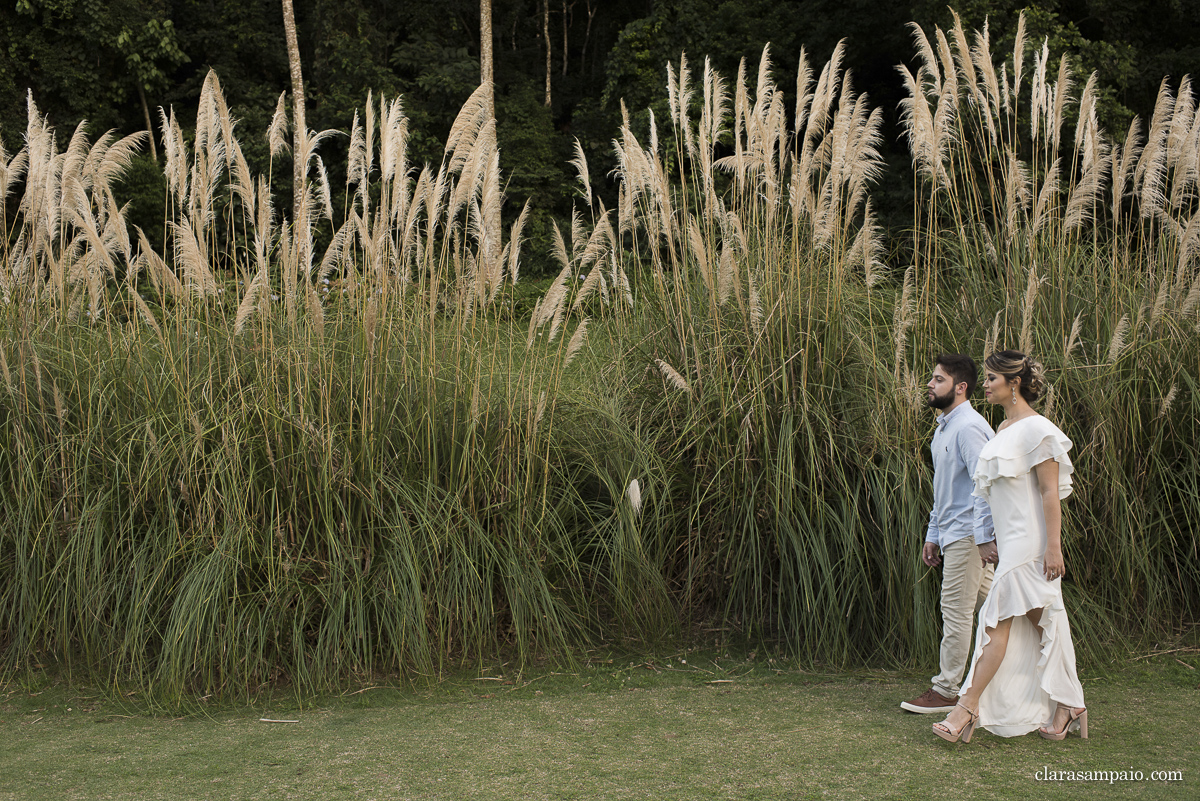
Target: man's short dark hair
961, 368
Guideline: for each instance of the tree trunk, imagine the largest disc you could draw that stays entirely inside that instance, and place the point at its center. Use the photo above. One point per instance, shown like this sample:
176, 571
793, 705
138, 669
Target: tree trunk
566, 41
299, 126
490, 247
587, 35
149, 124
486, 72
546, 37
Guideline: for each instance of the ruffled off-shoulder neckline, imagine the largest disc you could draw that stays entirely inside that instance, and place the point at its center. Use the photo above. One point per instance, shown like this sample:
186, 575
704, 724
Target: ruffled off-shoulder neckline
1020, 448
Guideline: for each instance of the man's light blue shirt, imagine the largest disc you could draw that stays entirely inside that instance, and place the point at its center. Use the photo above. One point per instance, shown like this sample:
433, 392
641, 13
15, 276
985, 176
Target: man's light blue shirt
960, 435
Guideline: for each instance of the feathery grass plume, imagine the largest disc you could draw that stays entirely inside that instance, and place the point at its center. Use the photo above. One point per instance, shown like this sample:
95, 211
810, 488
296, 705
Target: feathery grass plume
579, 236
356, 164
514, 242
992, 343
1124, 160
1018, 55
591, 249
685, 105
334, 253
725, 274
1116, 345
4, 368
700, 254
369, 136
559, 246
1189, 239
1192, 301
916, 117
1168, 401
576, 343
191, 253
1073, 338
469, 124
1150, 173
324, 195
714, 116
277, 131
491, 200
474, 165
672, 92
1181, 126
176, 154
824, 94
1028, 307
553, 300
1086, 195
1087, 108
560, 314
672, 376
1051, 398
1046, 199
868, 248
161, 276
754, 299
804, 94
1183, 146
590, 284
633, 494
581, 169
393, 140
1160, 301
929, 61
1041, 92
965, 62
106, 163
250, 302
533, 322
981, 54
1062, 94
737, 163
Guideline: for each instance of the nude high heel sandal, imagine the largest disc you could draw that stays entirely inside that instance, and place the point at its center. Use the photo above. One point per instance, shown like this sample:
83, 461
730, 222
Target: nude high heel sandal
943, 729
1076, 720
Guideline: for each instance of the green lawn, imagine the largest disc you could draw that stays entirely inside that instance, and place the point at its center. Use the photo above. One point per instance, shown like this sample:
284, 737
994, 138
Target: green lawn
707, 727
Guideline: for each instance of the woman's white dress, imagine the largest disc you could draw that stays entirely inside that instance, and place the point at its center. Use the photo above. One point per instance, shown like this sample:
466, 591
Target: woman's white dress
1038, 672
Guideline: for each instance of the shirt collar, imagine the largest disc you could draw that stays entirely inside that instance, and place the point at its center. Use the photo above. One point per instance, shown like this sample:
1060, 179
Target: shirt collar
944, 417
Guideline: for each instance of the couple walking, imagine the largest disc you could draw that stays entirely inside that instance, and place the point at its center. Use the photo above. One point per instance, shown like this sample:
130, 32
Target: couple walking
996, 528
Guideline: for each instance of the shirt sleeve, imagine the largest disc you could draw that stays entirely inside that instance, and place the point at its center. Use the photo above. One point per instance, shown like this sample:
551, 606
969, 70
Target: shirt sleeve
932, 534
970, 442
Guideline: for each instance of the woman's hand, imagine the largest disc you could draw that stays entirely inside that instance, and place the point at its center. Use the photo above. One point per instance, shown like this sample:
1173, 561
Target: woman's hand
1047, 479
1054, 567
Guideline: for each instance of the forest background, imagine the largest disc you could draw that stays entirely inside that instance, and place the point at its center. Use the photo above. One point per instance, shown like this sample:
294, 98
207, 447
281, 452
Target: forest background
115, 62
640, 357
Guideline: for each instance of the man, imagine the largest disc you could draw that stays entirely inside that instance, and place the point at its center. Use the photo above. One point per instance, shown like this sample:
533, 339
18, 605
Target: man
960, 535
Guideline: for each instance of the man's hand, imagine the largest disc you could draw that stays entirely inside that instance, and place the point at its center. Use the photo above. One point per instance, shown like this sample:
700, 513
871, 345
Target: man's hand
988, 554
930, 554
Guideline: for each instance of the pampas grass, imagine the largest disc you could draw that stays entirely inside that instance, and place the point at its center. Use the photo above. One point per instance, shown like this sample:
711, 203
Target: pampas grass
239, 462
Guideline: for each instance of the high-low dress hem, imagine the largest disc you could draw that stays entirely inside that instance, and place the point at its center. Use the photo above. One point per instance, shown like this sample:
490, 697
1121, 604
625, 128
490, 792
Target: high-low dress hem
1038, 671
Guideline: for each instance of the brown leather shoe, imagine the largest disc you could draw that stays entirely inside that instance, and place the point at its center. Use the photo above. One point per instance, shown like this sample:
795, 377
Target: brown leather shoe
931, 701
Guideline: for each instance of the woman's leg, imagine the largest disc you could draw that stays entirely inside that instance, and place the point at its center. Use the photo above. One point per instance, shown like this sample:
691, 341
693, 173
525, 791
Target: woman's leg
1062, 714
985, 671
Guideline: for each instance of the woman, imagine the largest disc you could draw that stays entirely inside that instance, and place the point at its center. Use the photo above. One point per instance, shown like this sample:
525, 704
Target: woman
1022, 673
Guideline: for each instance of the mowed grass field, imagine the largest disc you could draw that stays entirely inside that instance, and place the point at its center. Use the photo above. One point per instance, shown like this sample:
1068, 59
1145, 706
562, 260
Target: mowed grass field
688, 726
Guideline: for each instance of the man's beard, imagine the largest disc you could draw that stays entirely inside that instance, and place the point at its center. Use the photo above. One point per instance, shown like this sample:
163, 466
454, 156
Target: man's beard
939, 401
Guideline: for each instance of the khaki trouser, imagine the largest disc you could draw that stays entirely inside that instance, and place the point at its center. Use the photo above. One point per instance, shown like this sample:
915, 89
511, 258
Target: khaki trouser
965, 583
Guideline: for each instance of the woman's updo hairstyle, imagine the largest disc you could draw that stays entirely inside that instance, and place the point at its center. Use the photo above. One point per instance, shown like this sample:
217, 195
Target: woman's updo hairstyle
1014, 364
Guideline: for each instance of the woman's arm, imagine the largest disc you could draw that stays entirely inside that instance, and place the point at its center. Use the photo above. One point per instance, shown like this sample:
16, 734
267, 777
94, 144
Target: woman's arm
1047, 478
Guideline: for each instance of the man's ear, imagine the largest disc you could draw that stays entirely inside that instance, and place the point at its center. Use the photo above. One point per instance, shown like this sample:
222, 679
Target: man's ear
960, 388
